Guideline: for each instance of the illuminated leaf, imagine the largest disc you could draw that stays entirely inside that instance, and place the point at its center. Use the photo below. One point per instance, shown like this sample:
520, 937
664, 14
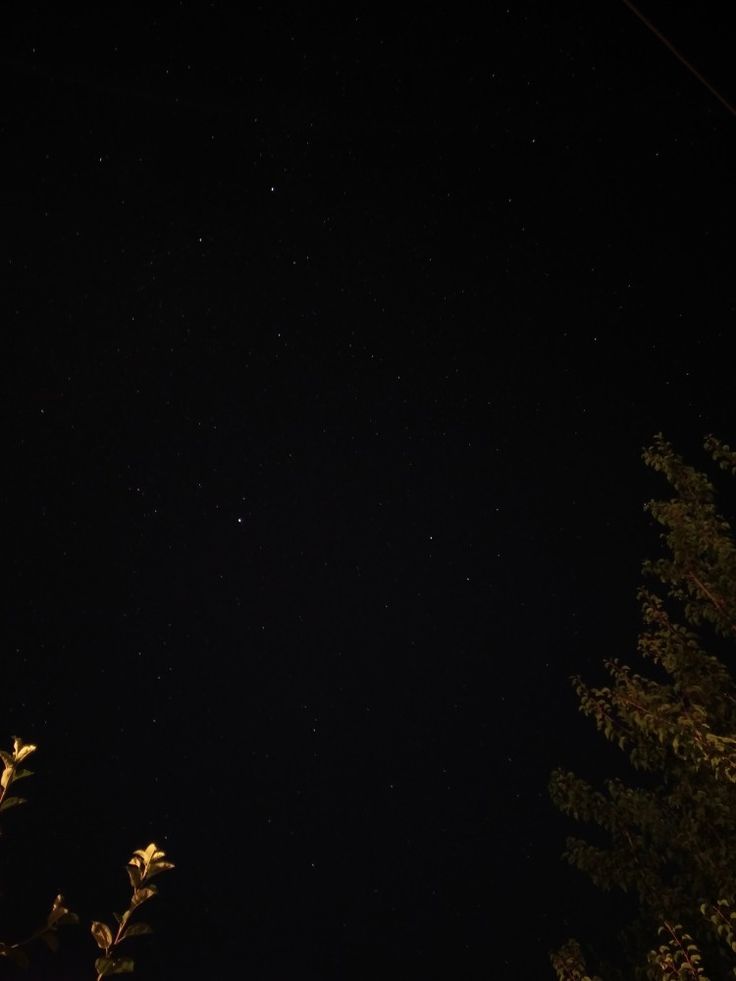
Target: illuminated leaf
134, 874
142, 895
21, 751
102, 934
157, 867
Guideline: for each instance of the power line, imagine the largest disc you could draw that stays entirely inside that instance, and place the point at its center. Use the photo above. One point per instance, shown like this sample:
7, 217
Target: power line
681, 58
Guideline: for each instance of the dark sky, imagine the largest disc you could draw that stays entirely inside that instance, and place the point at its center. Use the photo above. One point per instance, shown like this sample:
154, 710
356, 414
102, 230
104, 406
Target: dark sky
332, 338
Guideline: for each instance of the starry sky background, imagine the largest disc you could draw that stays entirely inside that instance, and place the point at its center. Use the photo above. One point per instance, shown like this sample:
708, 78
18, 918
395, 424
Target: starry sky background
332, 341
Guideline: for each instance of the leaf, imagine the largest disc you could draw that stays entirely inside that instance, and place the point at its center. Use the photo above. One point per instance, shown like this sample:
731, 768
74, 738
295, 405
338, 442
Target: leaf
6, 758
67, 919
19, 774
157, 867
21, 751
134, 874
11, 802
60, 915
114, 965
142, 895
145, 857
6, 776
147, 854
15, 954
137, 930
102, 934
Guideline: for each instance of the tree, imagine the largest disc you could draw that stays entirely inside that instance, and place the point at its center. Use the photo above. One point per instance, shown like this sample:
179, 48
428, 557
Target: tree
671, 838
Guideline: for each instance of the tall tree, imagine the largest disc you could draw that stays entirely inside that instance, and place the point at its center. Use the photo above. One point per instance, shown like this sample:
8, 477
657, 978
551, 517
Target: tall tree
671, 838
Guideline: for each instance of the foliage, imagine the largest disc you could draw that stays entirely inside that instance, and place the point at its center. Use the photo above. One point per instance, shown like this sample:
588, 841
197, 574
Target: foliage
671, 843
569, 963
144, 864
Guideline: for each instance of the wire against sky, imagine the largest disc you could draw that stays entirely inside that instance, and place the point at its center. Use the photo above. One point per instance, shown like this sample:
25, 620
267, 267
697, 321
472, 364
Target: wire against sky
691, 68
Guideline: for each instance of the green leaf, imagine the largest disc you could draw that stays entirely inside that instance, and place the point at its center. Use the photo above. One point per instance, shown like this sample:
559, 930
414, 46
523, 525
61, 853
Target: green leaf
114, 965
137, 930
11, 802
19, 774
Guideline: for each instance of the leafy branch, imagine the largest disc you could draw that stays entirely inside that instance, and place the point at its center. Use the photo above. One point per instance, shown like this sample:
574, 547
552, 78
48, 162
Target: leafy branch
142, 867
144, 864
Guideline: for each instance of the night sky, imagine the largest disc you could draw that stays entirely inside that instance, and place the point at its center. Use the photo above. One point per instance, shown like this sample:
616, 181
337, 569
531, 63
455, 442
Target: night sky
332, 339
